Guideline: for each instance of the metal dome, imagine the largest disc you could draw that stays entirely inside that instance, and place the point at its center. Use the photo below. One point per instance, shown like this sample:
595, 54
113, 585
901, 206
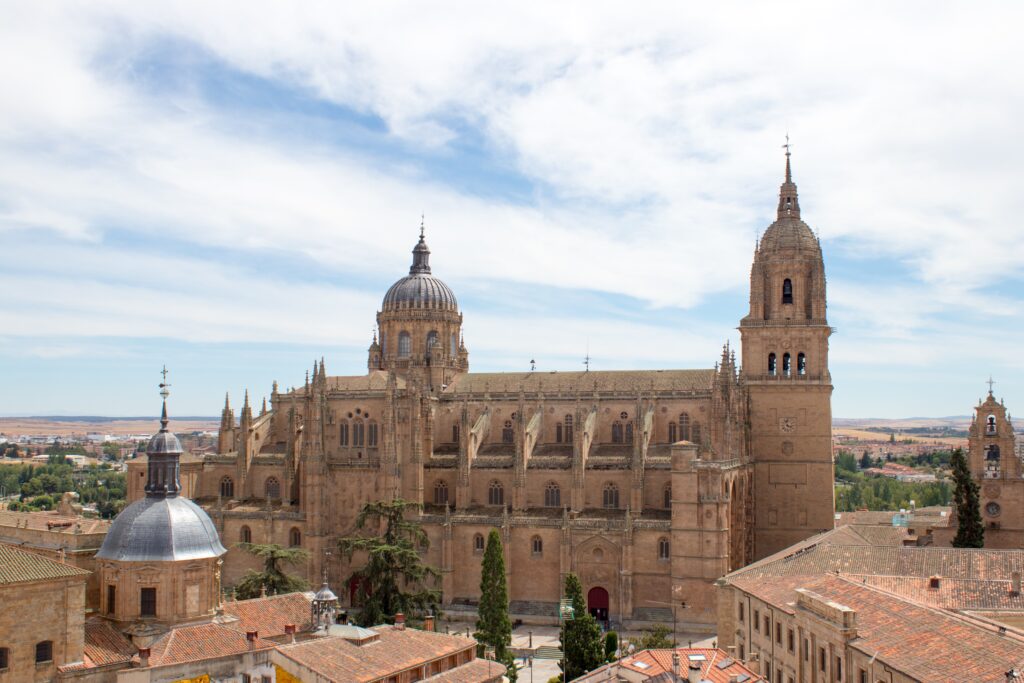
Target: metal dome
420, 289
161, 529
164, 442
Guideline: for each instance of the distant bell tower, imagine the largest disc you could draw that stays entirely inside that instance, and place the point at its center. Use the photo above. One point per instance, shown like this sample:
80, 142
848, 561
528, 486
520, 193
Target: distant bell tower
993, 460
785, 365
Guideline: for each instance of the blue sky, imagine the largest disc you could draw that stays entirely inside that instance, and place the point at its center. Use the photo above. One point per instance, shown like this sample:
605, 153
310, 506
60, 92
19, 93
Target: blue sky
230, 189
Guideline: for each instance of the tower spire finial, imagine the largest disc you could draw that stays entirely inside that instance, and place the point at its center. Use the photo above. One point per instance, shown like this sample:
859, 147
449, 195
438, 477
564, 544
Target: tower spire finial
421, 253
789, 204
164, 393
423, 229
990, 383
789, 174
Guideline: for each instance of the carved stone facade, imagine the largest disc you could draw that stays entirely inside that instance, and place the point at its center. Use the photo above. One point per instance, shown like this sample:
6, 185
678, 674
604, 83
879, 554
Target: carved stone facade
648, 484
995, 464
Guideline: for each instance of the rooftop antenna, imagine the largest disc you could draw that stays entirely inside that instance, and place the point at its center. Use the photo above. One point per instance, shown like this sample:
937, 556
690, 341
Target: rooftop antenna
586, 358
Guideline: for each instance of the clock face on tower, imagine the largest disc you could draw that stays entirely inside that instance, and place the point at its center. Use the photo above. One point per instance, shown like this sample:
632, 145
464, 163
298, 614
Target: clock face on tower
787, 424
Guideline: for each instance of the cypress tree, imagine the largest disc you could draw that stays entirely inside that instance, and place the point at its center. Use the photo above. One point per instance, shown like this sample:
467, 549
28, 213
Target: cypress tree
581, 637
970, 532
493, 626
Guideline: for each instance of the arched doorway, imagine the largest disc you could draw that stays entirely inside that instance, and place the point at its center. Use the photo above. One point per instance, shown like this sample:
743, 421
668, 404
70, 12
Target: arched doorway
597, 603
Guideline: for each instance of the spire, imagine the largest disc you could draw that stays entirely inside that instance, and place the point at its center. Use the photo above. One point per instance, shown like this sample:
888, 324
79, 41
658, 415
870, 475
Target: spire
227, 401
421, 254
162, 453
789, 203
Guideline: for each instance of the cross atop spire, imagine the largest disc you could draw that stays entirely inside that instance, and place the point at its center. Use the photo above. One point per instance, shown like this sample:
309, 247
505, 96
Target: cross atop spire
990, 382
789, 204
789, 175
421, 253
164, 393
423, 220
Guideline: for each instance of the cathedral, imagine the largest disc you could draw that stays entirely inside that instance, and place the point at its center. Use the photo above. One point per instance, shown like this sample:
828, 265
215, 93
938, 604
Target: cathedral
649, 485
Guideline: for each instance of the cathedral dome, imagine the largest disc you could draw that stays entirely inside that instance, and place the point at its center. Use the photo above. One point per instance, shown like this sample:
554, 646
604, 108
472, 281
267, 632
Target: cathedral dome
161, 529
420, 289
788, 232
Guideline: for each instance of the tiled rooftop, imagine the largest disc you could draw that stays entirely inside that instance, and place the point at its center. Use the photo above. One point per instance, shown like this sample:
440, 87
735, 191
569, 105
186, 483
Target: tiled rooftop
656, 665
53, 522
953, 594
268, 616
105, 645
19, 566
337, 659
571, 381
922, 642
199, 642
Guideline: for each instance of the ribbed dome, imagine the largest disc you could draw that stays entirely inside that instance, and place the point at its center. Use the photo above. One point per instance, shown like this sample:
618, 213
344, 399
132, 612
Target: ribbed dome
161, 529
420, 289
789, 233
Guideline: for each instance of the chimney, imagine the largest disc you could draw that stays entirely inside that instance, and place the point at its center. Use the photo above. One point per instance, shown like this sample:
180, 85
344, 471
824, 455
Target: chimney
428, 621
143, 657
289, 630
251, 636
1015, 583
934, 582
694, 674
400, 622
675, 665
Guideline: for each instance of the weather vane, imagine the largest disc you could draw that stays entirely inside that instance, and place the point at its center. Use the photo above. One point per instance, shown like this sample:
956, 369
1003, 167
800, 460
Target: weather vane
786, 146
164, 384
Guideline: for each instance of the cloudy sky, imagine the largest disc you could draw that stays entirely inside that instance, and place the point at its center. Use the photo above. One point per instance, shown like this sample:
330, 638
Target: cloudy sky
230, 188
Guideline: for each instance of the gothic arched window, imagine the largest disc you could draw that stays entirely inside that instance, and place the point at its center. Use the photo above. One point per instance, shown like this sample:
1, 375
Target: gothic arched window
371, 436
616, 432
558, 432
507, 435
495, 493
245, 535
787, 365
629, 432
343, 432
695, 432
663, 549
440, 493
568, 428
771, 363
673, 434
478, 543
667, 496
610, 497
552, 495
801, 364
684, 426
272, 488
227, 488
455, 433
404, 345
537, 545
295, 537
787, 291
432, 338
358, 433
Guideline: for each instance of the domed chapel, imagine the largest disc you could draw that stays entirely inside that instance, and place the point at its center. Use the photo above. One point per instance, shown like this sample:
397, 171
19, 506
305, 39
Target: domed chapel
648, 484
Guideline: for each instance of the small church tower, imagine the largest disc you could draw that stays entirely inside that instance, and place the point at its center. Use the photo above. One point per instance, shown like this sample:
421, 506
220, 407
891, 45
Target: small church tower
785, 366
993, 460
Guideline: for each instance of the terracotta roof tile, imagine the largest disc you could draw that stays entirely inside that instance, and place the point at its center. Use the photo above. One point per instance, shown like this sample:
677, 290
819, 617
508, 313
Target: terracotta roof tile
471, 672
396, 650
199, 642
105, 645
269, 615
54, 522
953, 594
656, 665
904, 635
18, 566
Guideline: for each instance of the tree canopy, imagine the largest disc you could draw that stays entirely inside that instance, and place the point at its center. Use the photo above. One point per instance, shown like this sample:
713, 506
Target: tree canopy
395, 578
493, 626
970, 531
581, 636
273, 577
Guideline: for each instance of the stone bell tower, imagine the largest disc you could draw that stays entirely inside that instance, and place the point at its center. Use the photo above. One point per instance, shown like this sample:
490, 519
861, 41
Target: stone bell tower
785, 366
993, 460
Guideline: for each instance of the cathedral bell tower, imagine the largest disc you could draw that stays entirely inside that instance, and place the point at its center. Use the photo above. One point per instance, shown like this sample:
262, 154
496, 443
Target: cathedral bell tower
996, 466
420, 326
785, 366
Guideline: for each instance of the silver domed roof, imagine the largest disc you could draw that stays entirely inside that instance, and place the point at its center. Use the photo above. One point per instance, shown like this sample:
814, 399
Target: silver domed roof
161, 529
420, 289
164, 442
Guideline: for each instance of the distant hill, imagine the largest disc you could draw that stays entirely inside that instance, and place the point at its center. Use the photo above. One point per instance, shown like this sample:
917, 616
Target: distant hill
955, 422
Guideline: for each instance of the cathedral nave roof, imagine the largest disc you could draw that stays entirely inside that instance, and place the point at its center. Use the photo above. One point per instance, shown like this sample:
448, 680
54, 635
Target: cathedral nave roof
625, 381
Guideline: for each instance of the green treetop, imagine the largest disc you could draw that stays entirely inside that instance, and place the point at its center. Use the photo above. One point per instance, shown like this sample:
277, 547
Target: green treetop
970, 532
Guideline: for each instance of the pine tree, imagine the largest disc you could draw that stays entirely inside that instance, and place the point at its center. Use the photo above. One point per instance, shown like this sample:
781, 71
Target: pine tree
493, 626
581, 637
273, 578
970, 532
393, 564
